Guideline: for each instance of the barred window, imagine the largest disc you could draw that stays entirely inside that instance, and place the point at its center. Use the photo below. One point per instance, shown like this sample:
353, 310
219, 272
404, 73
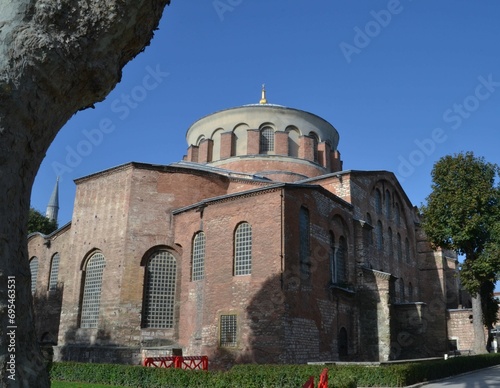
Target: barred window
91, 300
228, 330
400, 248
341, 261
378, 201
198, 259
387, 200
243, 249
161, 275
304, 252
397, 214
34, 273
266, 140
54, 272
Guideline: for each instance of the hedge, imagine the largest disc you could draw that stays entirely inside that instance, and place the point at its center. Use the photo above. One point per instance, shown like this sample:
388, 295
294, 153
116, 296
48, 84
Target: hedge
271, 376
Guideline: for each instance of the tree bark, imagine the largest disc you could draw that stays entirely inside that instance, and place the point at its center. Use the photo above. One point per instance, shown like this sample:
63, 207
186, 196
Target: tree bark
56, 57
478, 326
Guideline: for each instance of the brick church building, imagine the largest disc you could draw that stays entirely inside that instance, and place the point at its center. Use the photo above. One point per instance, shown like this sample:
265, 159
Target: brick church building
257, 247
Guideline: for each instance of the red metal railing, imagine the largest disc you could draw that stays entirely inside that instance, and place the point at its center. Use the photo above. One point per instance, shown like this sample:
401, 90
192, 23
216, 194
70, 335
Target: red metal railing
180, 362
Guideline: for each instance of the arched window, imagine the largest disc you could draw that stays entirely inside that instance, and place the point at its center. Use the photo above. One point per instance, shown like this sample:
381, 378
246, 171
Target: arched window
397, 215
399, 248
333, 269
54, 272
34, 273
161, 276
266, 140
341, 261
198, 257
380, 235
387, 200
91, 300
370, 233
407, 250
243, 249
293, 141
304, 249
378, 201
390, 243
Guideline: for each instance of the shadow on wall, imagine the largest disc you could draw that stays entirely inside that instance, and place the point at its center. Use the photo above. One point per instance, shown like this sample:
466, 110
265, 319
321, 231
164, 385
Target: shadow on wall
47, 307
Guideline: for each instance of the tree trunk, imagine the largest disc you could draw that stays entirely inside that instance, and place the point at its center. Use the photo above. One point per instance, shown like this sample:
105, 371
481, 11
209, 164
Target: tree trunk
478, 326
56, 57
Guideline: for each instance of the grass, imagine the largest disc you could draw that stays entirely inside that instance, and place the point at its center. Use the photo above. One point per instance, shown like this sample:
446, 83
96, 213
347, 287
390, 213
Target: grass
65, 384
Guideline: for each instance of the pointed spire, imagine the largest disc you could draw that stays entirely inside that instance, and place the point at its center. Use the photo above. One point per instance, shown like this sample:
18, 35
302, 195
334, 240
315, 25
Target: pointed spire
263, 99
53, 206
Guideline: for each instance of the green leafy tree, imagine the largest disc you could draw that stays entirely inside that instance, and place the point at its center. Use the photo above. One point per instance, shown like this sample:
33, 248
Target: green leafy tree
37, 222
462, 214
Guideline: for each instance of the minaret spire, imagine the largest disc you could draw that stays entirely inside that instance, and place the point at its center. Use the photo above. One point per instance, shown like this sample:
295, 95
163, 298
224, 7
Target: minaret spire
53, 206
263, 99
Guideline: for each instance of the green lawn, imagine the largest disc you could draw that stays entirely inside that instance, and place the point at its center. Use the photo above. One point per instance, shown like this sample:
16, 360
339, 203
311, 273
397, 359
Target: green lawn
64, 384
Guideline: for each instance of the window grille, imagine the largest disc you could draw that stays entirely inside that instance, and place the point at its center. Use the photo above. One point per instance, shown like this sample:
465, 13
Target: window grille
378, 201
243, 249
161, 273
54, 272
304, 232
34, 273
397, 215
198, 260
388, 204
341, 261
266, 140
91, 300
228, 330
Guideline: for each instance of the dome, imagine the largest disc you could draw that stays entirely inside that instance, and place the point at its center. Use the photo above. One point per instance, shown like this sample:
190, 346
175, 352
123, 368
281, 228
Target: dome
256, 138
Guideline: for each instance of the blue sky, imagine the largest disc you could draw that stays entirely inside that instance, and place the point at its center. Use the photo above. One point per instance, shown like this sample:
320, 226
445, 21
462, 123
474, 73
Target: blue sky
404, 82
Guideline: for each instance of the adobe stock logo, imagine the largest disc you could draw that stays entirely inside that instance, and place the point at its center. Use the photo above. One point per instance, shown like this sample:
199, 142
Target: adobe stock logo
364, 36
454, 116
223, 6
120, 106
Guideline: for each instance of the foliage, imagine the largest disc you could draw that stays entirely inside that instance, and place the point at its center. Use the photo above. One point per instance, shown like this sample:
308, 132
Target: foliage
462, 214
272, 376
37, 222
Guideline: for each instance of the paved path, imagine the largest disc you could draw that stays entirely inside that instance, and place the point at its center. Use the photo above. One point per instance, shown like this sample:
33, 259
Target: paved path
484, 378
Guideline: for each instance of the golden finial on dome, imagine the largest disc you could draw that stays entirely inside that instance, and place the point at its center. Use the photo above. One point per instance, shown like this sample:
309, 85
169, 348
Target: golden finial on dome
263, 99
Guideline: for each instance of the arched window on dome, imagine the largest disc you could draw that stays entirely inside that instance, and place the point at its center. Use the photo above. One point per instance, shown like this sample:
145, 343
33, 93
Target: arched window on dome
399, 248
159, 293
266, 140
91, 299
293, 141
34, 273
315, 139
390, 244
